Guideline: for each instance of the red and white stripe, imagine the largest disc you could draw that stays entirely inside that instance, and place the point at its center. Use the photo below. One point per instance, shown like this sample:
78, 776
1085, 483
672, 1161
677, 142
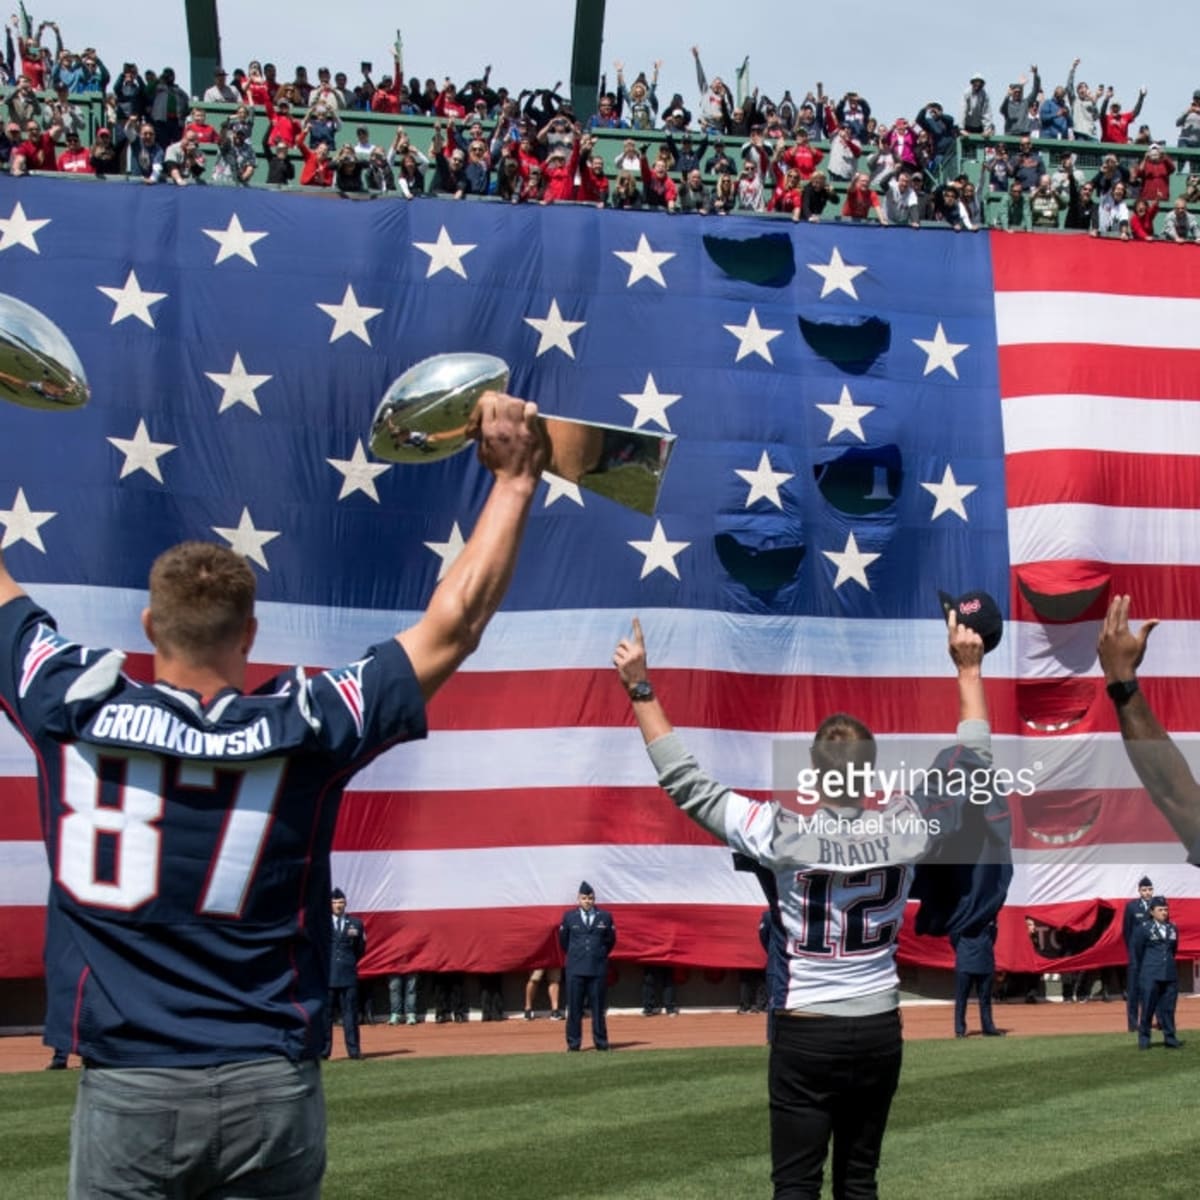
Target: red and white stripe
1099, 355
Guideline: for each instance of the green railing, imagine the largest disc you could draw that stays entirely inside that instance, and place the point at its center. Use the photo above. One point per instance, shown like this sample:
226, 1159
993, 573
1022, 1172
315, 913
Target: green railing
967, 158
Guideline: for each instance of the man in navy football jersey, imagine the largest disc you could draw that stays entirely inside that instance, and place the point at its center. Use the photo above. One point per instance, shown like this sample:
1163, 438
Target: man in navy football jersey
839, 876
188, 827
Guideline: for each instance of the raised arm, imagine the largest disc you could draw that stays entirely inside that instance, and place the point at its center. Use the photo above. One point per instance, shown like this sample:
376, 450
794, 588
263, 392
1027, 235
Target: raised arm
9, 588
966, 652
512, 446
1159, 764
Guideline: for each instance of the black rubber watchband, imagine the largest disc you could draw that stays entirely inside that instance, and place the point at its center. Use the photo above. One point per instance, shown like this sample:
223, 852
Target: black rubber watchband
1121, 691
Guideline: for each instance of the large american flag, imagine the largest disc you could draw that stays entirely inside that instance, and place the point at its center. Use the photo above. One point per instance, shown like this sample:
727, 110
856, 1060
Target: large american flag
864, 416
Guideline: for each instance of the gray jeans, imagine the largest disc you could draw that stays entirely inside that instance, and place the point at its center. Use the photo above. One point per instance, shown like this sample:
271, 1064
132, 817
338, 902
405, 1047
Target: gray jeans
402, 994
235, 1132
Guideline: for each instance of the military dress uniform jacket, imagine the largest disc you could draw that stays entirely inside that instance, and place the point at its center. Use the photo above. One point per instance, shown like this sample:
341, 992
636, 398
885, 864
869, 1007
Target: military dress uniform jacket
587, 949
1154, 947
349, 945
1137, 913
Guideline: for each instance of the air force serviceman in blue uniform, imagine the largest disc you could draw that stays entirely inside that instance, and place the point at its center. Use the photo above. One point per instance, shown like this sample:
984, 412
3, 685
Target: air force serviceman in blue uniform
348, 946
1155, 943
1137, 913
587, 935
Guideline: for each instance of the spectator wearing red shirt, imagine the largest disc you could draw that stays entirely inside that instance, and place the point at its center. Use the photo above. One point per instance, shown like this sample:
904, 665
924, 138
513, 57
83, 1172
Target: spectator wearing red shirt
446, 104
788, 196
1141, 220
531, 189
527, 155
255, 90
1154, 173
804, 157
75, 159
198, 124
559, 173
860, 199
593, 182
283, 126
386, 97
318, 166
36, 60
1114, 124
35, 150
660, 189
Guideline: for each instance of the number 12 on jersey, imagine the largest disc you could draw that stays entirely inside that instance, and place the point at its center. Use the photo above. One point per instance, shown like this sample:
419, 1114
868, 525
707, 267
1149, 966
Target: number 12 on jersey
846, 915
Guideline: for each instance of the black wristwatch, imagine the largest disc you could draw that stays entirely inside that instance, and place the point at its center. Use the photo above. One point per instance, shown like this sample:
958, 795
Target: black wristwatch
1121, 691
641, 691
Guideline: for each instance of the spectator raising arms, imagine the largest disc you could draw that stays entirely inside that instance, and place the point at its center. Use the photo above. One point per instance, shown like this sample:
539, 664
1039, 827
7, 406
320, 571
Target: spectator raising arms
641, 97
712, 96
317, 170
593, 182
1114, 124
559, 172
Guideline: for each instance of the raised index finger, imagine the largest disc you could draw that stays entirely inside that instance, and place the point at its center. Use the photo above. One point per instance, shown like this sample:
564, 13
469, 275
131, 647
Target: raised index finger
637, 634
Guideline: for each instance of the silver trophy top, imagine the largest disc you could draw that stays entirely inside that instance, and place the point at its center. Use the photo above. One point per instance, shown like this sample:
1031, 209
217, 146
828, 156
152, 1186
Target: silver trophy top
423, 415
38, 366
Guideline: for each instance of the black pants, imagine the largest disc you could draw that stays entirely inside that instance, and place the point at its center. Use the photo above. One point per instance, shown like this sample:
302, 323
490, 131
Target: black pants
346, 998
963, 982
595, 987
449, 997
491, 999
658, 983
831, 1076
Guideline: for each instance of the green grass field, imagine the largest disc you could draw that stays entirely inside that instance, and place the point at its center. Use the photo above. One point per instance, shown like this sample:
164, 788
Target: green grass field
1018, 1119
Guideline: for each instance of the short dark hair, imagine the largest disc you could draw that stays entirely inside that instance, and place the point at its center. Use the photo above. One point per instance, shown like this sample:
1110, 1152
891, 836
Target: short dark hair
201, 597
841, 740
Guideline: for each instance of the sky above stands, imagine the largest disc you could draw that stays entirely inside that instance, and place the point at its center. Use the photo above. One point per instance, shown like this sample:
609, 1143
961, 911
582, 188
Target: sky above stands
896, 65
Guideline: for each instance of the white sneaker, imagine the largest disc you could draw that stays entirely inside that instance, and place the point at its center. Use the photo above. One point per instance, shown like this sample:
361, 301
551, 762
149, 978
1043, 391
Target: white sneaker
394, 1019
411, 1019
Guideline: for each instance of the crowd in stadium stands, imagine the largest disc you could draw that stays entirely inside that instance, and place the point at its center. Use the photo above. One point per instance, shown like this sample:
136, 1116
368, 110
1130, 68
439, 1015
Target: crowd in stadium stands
742, 153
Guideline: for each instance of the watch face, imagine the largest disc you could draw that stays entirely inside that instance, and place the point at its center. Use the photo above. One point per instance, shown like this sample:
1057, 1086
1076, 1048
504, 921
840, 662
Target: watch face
641, 691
